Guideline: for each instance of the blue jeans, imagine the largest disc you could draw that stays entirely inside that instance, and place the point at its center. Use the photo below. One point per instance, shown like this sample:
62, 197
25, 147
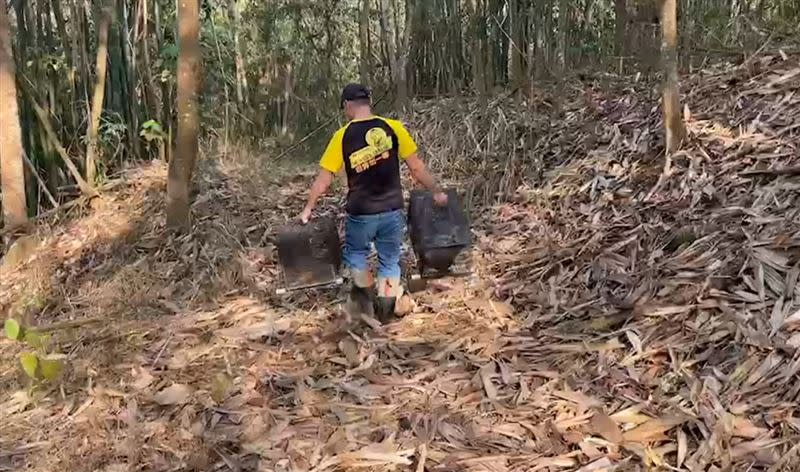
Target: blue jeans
386, 230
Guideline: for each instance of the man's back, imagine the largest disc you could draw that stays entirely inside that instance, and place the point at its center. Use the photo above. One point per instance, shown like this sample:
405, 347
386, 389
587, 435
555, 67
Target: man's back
370, 150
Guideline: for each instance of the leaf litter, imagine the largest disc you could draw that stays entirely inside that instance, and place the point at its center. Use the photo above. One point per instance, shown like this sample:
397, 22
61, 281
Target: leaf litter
619, 319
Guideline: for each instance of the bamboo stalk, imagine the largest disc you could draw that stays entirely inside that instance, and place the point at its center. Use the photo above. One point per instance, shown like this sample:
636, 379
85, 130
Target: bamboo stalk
99, 93
83, 185
39, 180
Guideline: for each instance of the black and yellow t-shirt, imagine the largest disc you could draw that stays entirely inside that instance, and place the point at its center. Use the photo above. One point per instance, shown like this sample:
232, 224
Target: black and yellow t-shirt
370, 151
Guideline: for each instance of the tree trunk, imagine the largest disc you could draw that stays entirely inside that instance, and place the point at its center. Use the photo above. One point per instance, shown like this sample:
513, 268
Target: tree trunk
166, 89
12, 167
149, 83
182, 163
363, 37
127, 67
99, 93
519, 22
620, 27
673, 122
478, 33
563, 34
401, 78
241, 77
387, 39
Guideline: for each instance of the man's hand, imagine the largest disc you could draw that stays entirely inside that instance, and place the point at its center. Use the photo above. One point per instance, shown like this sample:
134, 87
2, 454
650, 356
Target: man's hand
305, 216
320, 186
440, 199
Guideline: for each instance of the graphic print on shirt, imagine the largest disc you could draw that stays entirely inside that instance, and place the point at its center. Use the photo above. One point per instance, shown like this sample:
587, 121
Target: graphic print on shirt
379, 143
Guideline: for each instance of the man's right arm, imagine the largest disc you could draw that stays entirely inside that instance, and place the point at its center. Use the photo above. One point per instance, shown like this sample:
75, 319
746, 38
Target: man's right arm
331, 163
419, 172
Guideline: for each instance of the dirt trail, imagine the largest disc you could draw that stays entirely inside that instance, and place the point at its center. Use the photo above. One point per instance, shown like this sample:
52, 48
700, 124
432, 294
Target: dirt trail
615, 321
192, 363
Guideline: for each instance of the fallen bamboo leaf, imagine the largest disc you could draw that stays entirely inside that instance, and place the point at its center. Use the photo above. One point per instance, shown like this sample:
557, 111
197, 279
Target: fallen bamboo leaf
175, 394
744, 428
600, 465
683, 447
486, 373
603, 425
653, 430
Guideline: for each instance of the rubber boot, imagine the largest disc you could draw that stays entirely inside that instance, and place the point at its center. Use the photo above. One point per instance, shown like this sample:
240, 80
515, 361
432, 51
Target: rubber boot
388, 291
384, 309
360, 299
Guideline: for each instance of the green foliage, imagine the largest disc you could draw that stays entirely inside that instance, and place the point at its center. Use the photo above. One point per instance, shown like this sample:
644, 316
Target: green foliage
30, 363
51, 367
38, 365
152, 131
13, 330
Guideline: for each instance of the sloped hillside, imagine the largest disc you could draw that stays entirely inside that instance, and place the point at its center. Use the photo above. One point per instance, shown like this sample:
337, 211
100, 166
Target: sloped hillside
623, 315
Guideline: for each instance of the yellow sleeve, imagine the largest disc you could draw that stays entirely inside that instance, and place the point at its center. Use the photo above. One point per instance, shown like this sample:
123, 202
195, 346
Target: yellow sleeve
333, 158
406, 143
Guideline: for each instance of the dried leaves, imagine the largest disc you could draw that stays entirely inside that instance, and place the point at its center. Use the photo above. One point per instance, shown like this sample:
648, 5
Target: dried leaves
175, 394
614, 323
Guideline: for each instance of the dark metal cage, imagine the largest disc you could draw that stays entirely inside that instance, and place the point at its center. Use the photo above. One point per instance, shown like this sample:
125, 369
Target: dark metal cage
438, 234
310, 255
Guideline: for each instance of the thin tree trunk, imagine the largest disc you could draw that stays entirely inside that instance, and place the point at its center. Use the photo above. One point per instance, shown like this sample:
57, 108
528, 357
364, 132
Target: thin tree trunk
563, 29
673, 122
166, 89
478, 57
241, 76
99, 93
620, 26
519, 21
127, 68
401, 79
363, 37
387, 39
150, 85
181, 165
12, 166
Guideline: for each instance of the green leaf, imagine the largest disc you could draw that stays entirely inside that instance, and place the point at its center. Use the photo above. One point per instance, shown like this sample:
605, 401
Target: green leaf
13, 329
52, 366
151, 130
29, 363
34, 339
152, 125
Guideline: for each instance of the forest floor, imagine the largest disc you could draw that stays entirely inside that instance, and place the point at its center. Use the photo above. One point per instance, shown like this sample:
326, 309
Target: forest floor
620, 317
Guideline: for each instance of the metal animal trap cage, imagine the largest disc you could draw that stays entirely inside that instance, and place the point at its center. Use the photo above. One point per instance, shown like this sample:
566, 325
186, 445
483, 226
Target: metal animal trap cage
309, 256
440, 237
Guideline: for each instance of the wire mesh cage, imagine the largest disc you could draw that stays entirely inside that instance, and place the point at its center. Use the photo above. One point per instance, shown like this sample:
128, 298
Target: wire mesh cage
309, 255
439, 235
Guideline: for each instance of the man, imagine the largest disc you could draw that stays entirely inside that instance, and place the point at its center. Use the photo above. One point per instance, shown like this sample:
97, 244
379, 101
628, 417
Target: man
370, 148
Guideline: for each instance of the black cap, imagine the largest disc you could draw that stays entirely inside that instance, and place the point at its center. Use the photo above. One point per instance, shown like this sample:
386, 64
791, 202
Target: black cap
355, 92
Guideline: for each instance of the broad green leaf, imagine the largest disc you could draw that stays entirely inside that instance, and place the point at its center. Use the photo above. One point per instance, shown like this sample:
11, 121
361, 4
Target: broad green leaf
34, 339
152, 125
52, 366
13, 329
29, 363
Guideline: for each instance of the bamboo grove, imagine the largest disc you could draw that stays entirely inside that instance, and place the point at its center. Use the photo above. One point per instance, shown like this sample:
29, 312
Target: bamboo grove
96, 82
